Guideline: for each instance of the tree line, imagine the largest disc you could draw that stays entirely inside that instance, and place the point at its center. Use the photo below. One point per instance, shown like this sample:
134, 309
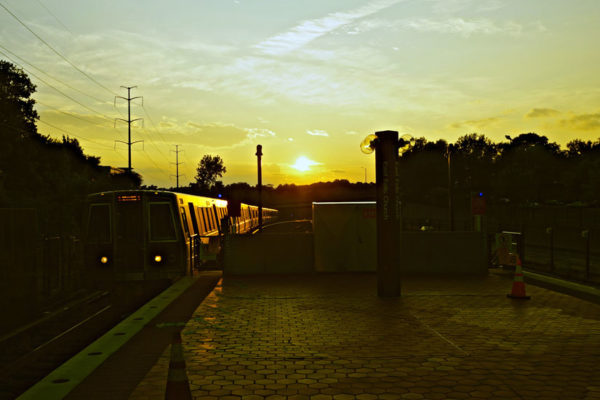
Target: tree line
37, 171
525, 170
54, 176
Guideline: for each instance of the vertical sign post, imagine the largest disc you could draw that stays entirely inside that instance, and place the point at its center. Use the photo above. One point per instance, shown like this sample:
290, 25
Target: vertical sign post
388, 214
259, 161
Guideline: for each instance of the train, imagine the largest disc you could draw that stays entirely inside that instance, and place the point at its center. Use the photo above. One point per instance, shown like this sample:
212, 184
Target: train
147, 235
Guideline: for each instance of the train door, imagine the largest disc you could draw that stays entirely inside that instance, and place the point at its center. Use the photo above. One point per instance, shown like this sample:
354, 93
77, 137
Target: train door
186, 238
195, 238
129, 230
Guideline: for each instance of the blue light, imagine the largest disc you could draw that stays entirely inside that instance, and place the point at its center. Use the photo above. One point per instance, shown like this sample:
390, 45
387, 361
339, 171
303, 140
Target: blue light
220, 195
480, 194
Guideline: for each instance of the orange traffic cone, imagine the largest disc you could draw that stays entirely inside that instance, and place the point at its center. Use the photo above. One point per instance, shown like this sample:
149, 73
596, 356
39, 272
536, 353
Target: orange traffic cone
518, 288
177, 382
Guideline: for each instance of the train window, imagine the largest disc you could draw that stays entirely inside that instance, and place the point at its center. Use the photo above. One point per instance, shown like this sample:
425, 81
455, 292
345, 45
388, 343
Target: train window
198, 213
185, 222
209, 220
193, 218
161, 222
203, 220
99, 223
213, 218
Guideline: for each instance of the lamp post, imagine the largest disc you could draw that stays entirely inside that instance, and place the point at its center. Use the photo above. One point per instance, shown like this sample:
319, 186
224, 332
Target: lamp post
450, 192
259, 165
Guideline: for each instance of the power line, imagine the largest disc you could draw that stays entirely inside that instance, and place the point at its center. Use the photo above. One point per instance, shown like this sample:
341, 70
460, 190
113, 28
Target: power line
70, 115
47, 74
54, 16
72, 134
56, 51
58, 90
157, 131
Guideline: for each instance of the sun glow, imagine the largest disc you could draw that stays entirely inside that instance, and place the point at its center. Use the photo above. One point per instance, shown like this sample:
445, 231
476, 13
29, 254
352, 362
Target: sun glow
303, 164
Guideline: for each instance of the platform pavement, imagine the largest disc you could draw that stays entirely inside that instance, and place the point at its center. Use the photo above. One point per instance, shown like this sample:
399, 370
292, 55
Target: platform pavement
330, 337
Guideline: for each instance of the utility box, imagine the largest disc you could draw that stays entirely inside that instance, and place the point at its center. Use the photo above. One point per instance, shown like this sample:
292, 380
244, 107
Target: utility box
345, 235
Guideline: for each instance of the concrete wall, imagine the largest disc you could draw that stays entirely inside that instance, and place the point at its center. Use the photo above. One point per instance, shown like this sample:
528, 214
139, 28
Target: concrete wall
346, 240
443, 253
345, 236
269, 254
422, 253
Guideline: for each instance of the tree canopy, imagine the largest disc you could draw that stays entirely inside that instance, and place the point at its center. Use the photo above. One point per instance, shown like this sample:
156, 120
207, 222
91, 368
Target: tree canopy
209, 169
37, 171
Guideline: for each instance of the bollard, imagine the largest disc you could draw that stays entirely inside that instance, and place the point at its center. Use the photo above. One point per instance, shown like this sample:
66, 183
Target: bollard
178, 387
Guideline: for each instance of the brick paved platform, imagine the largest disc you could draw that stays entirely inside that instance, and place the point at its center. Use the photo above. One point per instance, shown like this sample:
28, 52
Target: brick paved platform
330, 337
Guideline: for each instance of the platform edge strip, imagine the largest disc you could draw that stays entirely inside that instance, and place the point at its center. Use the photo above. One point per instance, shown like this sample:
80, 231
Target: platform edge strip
78, 367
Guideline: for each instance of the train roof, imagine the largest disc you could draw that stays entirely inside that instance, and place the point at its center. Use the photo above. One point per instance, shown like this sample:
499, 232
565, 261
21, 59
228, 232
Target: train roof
209, 200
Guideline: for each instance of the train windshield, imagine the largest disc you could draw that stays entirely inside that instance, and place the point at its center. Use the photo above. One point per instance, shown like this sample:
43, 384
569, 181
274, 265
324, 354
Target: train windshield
99, 224
161, 222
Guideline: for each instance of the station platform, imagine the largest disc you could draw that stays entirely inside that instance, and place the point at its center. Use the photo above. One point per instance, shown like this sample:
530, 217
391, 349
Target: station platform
328, 336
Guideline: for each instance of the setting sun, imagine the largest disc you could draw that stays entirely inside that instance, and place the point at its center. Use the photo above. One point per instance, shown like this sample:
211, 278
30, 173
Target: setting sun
303, 164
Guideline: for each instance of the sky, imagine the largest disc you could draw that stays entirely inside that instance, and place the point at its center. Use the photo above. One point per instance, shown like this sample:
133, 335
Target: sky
308, 80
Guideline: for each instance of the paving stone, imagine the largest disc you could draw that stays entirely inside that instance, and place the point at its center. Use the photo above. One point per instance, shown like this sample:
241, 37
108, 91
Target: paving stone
330, 335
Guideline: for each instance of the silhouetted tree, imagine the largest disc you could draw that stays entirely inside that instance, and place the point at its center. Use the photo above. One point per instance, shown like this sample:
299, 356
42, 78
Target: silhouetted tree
209, 169
528, 169
37, 171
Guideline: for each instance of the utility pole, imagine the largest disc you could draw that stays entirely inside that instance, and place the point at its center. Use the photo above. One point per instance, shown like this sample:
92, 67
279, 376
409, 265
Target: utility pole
128, 120
177, 151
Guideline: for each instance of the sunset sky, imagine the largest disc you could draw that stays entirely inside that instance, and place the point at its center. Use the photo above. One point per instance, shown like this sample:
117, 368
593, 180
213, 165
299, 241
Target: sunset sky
306, 79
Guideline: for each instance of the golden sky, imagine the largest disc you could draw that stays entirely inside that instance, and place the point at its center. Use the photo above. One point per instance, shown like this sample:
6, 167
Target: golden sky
303, 78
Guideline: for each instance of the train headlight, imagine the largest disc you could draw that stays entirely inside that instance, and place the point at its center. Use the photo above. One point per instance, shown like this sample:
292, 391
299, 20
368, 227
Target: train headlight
103, 260
157, 258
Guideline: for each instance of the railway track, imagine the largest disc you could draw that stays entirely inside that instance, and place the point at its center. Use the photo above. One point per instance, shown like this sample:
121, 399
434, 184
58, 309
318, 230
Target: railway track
33, 351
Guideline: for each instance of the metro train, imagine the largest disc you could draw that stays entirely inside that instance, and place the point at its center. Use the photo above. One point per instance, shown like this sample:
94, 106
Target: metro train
145, 235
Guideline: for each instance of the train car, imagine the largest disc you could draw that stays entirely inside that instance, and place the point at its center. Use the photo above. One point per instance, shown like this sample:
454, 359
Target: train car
143, 235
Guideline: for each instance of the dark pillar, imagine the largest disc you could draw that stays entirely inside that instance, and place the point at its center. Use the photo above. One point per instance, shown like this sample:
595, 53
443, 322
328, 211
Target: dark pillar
259, 161
450, 191
388, 214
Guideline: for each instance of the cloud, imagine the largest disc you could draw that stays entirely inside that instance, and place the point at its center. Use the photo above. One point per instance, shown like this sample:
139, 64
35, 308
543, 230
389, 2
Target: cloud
317, 132
309, 30
460, 26
582, 122
477, 123
463, 27
541, 113
259, 132
219, 134
351, 133
453, 6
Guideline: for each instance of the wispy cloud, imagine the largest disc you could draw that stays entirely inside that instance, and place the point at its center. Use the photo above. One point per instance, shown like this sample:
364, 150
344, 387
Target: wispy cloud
317, 132
460, 26
218, 134
259, 132
476, 123
453, 6
463, 26
582, 122
309, 30
541, 113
